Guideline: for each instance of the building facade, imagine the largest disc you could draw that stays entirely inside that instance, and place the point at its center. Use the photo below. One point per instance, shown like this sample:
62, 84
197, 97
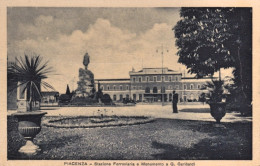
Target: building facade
49, 97
153, 85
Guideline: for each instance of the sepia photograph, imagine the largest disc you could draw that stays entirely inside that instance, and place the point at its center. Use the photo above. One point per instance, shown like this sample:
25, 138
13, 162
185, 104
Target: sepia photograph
130, 84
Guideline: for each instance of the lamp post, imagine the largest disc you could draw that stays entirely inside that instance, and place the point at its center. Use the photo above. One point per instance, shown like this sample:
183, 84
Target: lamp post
162, 88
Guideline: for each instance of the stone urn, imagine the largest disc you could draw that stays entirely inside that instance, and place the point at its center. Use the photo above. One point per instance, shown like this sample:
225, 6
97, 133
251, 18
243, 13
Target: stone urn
217, 110
29, 125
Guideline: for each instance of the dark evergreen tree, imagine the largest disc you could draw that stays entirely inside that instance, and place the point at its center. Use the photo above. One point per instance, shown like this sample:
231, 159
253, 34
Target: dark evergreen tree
68, 90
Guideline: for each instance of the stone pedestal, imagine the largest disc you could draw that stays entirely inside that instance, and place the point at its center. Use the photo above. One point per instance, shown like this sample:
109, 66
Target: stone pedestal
85, 83
86, 80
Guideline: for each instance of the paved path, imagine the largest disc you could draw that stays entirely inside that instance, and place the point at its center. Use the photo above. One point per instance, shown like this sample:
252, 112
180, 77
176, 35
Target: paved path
186, 112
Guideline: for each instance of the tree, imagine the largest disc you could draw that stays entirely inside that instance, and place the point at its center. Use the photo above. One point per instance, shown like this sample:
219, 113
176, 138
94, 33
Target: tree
209, 39
202, 36
29, 72
68, 90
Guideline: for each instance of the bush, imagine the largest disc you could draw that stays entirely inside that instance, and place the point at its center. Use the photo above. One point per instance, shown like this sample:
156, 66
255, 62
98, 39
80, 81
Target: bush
106, 99
83, 101
63, 99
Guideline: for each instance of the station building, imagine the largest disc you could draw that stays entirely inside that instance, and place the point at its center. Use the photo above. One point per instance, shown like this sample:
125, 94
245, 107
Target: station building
153, 85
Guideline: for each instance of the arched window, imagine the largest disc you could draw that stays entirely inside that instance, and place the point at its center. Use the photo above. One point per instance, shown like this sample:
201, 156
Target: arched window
108, 87
191, 86
199, 86
147, 79
114, 87
184, 86
127, 96
121, 97
147, 90
140, 79
121, 87
155, 90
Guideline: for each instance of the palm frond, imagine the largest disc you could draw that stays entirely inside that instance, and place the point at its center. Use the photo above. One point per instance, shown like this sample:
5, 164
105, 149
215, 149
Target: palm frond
30, 71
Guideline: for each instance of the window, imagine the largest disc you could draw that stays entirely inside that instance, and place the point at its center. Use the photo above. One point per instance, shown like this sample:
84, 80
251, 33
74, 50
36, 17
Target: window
127, 87
133, 88
147, 79
134, 97
140, 97
121, 87
133, 79
155, 90
114, 97
140, 87
127, 96
176, 78
162, 78
184, 86
108, 87
147, 90
170, 97
140, 79
121, 97
154, 79
101, 87
191, 86
114, 87
163, 89
176, 86
169, 87
170, 78
199, 86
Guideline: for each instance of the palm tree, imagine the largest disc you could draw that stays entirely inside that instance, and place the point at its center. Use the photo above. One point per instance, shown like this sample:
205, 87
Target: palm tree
215, 88
28, 73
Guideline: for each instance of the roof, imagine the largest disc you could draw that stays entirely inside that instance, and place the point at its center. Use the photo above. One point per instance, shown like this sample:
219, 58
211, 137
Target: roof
198, 78
149, 71
117, 79
48, 93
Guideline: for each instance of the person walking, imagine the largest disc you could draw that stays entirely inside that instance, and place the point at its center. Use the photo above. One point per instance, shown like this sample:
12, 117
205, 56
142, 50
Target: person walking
174, 102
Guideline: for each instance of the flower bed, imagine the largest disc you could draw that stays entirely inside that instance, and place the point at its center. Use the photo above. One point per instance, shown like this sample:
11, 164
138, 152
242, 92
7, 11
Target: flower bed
95, 121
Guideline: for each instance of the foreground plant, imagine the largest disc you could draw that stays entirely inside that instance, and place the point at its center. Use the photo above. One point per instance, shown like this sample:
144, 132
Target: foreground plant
28, 73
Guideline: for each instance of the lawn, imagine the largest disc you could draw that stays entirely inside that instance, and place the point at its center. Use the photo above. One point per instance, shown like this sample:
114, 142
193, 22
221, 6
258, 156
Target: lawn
163, 139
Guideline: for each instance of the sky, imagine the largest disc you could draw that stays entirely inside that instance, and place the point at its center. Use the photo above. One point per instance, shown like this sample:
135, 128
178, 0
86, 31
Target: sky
116, 39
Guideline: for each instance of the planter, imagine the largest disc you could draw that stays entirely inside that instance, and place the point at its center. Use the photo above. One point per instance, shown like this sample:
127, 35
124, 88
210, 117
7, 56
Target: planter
29, 125
217, 110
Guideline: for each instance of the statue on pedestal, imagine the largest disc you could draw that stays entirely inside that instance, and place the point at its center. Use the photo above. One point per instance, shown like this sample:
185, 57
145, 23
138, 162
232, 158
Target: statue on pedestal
86, 80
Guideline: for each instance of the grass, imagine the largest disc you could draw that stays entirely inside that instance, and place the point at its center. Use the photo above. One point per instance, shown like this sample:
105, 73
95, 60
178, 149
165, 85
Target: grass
163, 139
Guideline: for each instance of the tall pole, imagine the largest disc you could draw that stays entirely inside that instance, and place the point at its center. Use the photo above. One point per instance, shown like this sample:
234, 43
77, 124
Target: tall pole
162, 79
163, 88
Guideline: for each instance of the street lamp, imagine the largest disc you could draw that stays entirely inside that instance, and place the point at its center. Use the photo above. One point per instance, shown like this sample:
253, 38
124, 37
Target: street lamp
161, 49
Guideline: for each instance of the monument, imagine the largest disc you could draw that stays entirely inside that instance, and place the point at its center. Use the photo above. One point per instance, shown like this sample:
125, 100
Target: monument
86, 80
